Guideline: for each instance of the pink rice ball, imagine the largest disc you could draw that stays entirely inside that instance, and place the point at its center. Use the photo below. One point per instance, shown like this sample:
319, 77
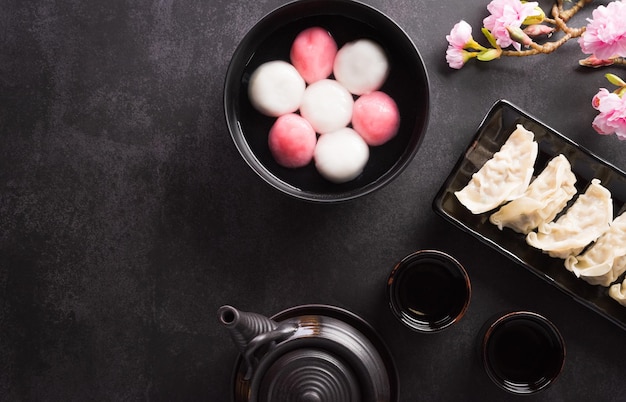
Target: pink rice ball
313, 54
376, 118
292, 141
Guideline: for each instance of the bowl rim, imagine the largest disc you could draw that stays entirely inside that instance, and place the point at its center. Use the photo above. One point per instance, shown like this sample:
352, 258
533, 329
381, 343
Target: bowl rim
244, 149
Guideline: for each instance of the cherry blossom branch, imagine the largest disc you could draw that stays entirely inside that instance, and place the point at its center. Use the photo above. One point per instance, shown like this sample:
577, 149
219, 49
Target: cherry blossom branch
514, 23
546, 48
560, 18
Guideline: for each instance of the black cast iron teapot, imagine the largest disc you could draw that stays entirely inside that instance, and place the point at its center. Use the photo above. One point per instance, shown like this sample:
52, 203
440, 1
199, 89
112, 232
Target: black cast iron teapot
309, 353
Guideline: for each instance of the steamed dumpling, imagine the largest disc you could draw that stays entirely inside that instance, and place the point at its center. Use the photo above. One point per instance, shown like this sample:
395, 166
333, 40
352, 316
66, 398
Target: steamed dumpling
546, 196
504, 177
618, 293
583, 223
605, 260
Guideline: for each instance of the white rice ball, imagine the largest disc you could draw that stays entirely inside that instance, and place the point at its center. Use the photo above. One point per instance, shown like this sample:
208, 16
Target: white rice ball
361, 66
341, 155
276, 88
327, 105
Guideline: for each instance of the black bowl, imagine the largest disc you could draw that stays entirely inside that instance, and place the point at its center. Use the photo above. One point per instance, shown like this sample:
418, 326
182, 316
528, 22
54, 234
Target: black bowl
271, 39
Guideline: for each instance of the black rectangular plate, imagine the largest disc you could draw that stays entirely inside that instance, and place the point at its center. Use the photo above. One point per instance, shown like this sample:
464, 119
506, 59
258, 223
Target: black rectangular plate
494, 130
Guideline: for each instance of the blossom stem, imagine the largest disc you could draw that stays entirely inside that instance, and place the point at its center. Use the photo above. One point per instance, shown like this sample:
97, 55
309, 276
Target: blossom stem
560, 23
565, 15
620, 61
546, 48
549, 21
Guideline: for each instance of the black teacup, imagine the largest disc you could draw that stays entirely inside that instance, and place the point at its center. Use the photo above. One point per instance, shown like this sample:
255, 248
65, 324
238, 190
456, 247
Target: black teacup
522, 352
428, 291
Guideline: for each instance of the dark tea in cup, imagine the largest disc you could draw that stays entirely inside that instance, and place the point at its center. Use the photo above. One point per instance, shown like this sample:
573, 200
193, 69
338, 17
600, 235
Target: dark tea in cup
522, 352
428, 291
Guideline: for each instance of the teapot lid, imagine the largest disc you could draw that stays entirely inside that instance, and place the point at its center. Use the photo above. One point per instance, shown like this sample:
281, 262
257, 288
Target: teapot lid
309, 375
334, 355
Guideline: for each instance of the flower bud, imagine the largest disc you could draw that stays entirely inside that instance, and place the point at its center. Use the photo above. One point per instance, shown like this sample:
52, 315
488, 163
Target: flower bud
519, 36
593, 61
538, 30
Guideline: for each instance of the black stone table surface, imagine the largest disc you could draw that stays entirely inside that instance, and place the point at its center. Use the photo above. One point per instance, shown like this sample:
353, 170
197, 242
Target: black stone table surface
127, 216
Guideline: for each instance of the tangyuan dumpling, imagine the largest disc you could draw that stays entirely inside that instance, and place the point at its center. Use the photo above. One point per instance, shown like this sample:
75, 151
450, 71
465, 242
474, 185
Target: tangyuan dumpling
582, 223
327, 105
341, 156
605, 260
504, 177
276, 88
618, 293
361, 66
546, 196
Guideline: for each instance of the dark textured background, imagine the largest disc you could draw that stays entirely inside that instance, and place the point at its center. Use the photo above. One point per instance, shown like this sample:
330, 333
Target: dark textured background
127, 216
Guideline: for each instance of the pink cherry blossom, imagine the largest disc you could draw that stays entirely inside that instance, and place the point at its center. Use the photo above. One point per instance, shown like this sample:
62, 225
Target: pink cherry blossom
456, 57
605, 35
612, 117
460, 35
505, 13
459, 38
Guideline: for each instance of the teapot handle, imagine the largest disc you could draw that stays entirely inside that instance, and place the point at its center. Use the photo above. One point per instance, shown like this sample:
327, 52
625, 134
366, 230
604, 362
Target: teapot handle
282, 332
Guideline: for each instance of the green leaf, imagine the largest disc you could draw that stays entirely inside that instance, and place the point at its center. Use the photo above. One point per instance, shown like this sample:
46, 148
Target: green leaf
615, 80
490, 37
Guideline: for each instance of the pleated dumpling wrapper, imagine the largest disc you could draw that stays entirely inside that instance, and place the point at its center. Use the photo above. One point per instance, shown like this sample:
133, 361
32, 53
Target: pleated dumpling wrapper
586, 220
605, 260
505, 176
618, 292
544, 198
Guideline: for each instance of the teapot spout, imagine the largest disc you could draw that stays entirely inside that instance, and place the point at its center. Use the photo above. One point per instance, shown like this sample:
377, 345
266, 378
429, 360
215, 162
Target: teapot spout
254, 334
244, 326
